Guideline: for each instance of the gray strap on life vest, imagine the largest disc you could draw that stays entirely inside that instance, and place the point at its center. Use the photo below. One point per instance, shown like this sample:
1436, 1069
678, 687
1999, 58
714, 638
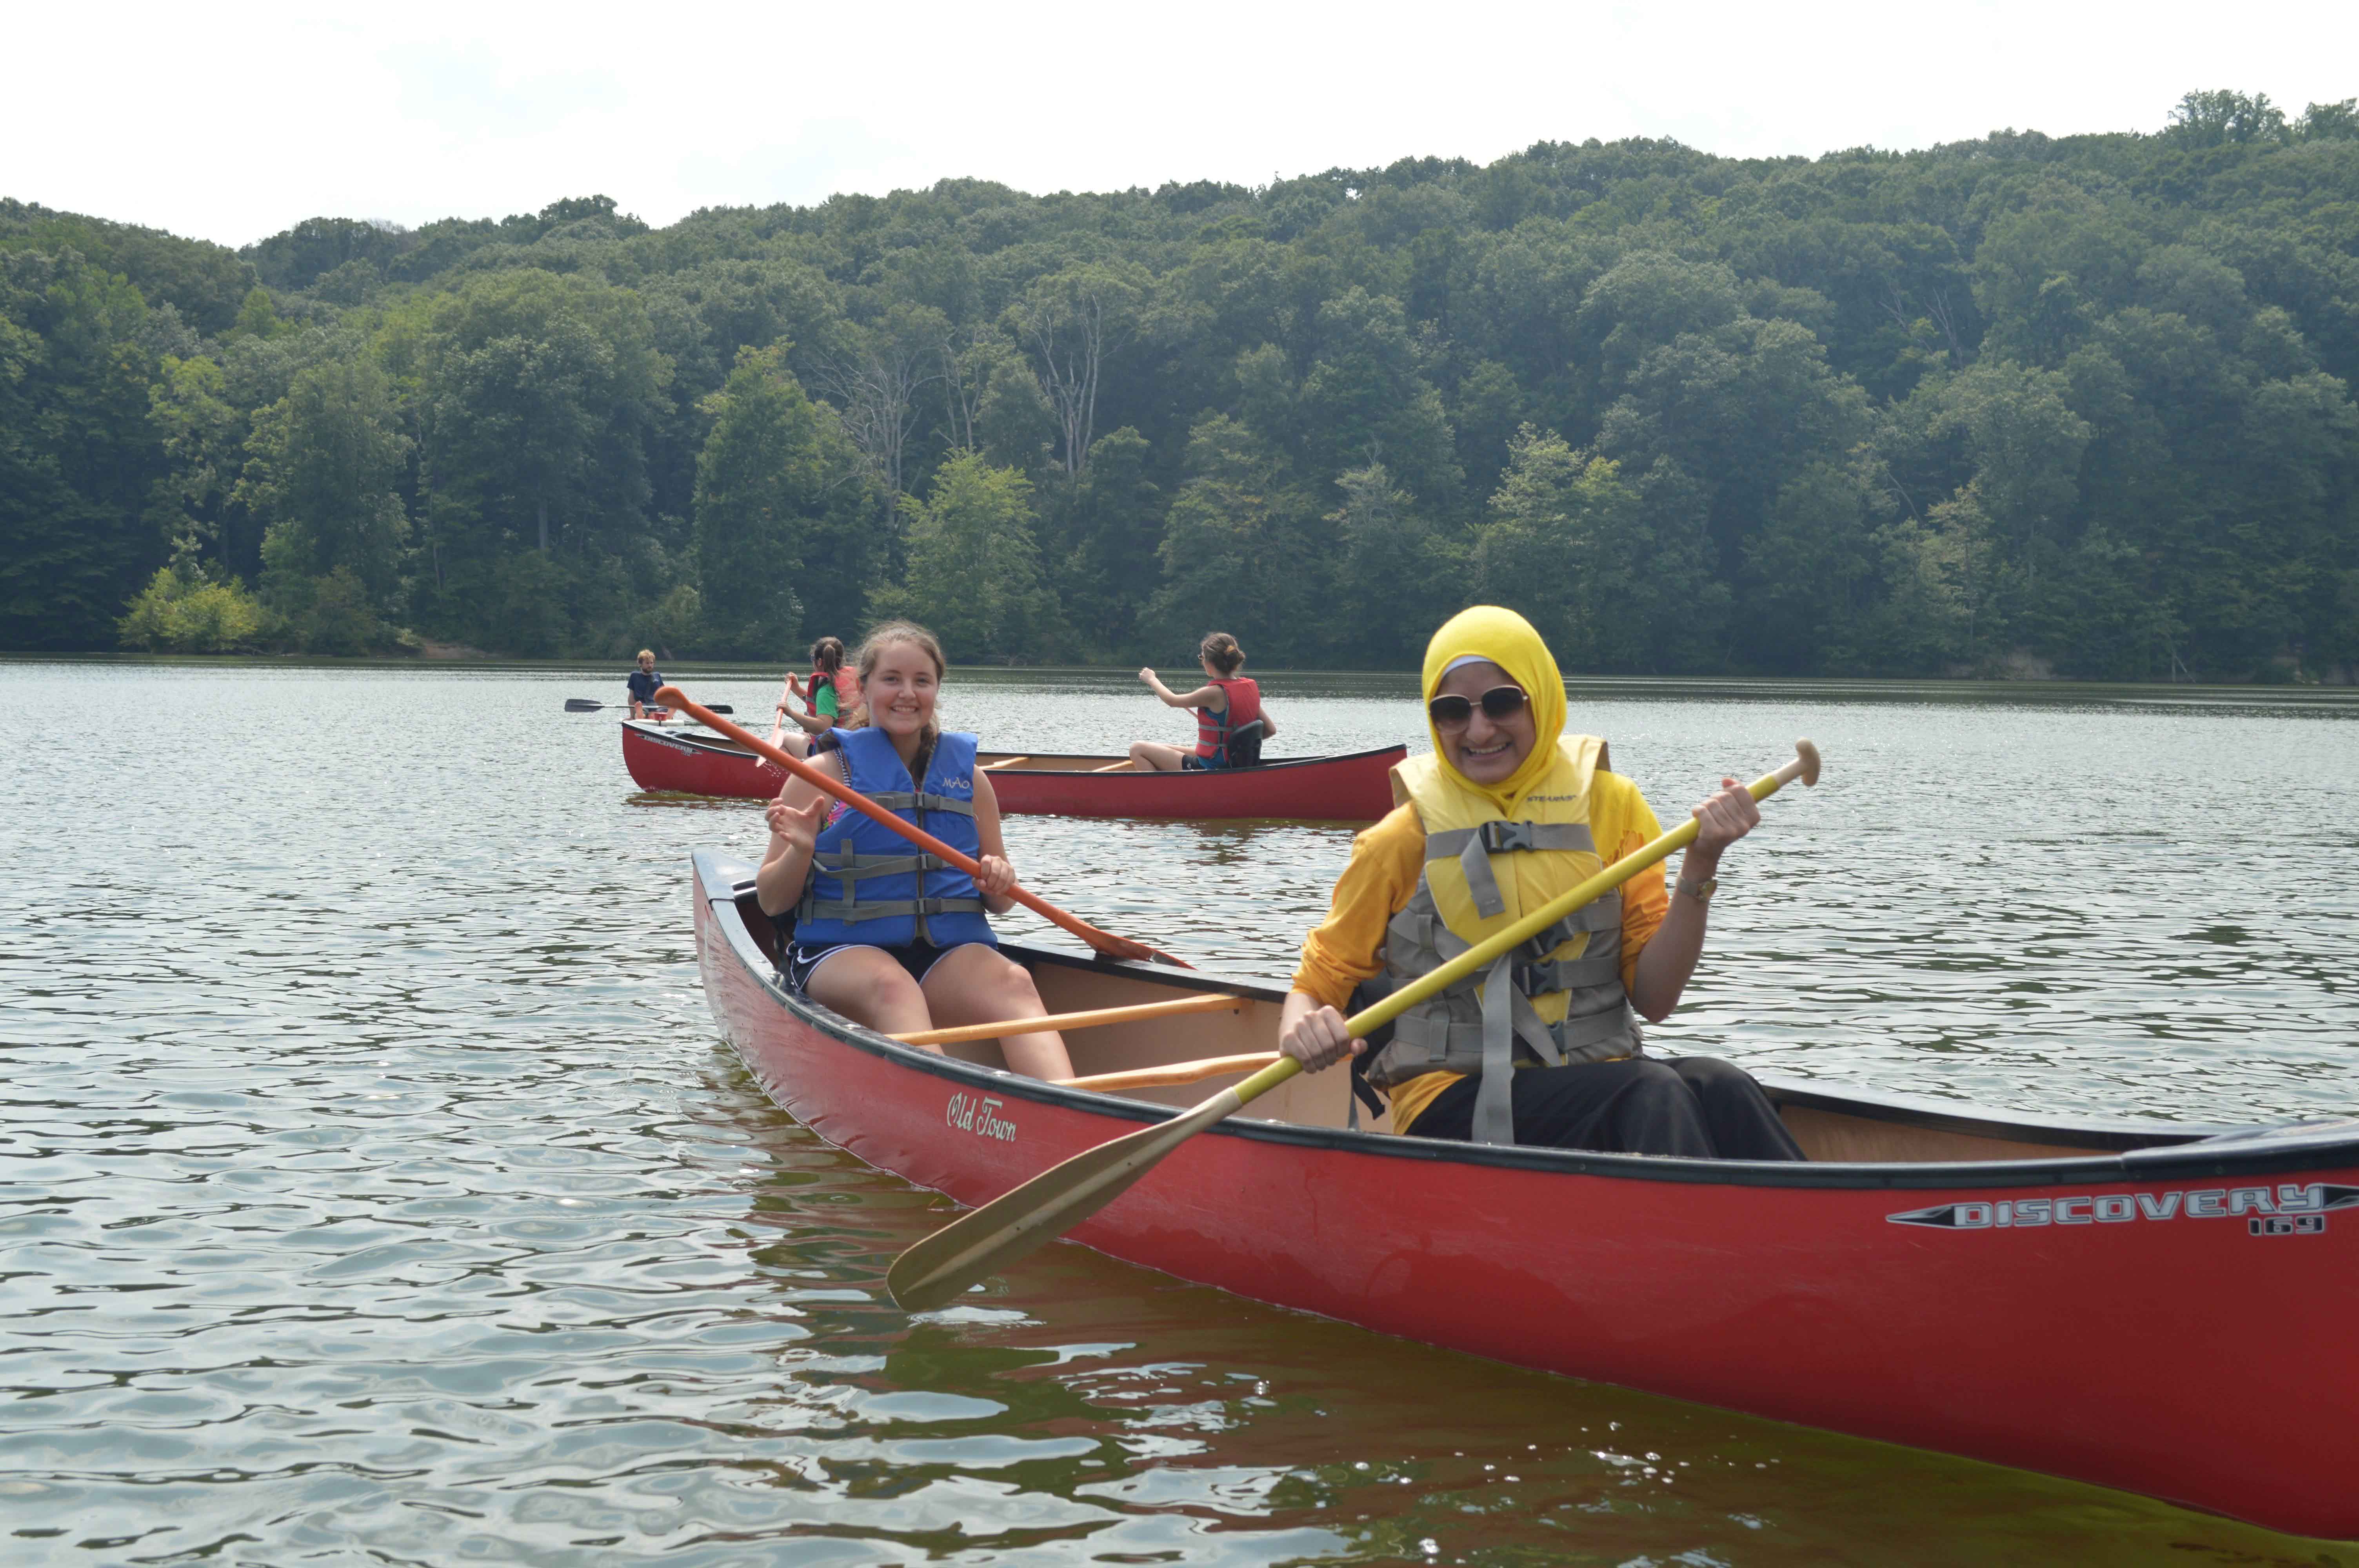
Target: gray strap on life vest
1495, 1097
1553, 1043
850, 867
1584, 1031
1472, 847
886, 908
1567, 974
903, 800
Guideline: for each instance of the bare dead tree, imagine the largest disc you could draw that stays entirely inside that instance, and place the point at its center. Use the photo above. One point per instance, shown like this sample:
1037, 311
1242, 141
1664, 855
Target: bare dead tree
967, 381
875, 391
1937, 310
1070, 328
1936, 306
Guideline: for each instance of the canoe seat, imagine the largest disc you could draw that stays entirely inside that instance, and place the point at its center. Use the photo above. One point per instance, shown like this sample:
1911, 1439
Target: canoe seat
1245, 744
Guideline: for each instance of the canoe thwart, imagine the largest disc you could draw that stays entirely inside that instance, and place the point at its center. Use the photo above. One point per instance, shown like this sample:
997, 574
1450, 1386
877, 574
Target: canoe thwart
1218, 1001
1113, 767
1175, 1073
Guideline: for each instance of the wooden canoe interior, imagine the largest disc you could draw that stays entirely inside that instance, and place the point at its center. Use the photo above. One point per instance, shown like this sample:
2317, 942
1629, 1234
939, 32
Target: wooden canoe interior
1826, 1135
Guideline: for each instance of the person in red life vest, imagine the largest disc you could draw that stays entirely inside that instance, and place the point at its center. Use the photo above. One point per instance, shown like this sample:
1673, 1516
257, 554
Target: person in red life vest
886, 936
830, 699
1226, 703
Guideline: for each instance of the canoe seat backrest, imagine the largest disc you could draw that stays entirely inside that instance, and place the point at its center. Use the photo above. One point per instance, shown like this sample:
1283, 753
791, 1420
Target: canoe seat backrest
759, 926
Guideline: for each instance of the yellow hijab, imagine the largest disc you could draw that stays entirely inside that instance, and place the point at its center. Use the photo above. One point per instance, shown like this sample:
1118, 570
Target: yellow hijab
1508, 640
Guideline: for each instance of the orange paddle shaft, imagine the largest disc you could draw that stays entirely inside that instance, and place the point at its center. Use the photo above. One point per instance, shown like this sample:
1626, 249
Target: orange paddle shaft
1103, 941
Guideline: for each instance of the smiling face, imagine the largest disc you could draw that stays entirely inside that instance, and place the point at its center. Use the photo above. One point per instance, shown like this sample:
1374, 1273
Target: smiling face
900, 689
1486, 750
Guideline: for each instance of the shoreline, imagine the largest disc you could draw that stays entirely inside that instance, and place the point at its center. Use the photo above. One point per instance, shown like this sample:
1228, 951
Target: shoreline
2047, 687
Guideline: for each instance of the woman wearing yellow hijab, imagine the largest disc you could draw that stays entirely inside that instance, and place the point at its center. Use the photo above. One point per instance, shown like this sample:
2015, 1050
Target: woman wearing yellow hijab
1544, 1048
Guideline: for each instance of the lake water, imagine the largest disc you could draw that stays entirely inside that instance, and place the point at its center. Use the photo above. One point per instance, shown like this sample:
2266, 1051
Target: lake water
375, 1187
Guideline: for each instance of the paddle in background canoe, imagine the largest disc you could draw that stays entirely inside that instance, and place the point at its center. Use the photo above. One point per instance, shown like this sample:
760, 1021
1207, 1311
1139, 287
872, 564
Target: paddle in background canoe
1104, 942
976, 1246
583, 705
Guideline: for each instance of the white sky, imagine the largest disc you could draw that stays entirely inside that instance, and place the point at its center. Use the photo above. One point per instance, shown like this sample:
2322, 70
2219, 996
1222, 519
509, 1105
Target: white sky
232, 123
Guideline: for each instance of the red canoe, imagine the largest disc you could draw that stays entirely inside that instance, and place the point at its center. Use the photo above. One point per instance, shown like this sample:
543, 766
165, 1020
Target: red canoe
1352, 786
2158, 1306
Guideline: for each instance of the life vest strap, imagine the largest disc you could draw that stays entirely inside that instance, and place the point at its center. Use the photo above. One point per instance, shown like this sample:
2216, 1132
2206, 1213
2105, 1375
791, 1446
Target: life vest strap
849, 865
1504, 838
1419, 927
1472, 847
889, 908
906, 800
1568, 1040
1566, 974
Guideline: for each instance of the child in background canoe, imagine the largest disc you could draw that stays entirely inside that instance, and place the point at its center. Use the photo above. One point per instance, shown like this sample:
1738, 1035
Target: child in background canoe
645, 683
830, 700
908, 949
1226, 701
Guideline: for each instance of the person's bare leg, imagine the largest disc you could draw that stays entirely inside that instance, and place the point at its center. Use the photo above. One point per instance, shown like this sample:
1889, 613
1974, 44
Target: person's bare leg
1154, 756
974, 985
867, 985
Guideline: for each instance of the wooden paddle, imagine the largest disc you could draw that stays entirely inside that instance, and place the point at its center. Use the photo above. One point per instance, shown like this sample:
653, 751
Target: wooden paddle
1096, 1018
1105, 941
977, 1245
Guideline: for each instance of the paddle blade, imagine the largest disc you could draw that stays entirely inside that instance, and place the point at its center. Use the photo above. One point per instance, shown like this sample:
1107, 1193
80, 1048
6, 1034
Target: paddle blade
976, 1246
582, 704
1114, 946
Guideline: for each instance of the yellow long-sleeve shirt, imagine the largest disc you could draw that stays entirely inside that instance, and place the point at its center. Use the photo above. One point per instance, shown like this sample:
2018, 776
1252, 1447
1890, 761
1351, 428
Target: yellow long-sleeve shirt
1381, 878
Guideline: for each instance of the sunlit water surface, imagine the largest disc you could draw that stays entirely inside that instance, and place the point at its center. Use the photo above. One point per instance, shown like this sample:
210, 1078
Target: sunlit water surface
377, 1191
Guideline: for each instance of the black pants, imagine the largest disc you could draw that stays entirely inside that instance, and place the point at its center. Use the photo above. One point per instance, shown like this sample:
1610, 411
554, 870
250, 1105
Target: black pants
1699, 1107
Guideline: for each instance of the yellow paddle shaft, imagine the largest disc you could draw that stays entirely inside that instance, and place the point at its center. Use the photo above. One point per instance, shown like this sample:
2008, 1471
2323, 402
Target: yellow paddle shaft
1805, 766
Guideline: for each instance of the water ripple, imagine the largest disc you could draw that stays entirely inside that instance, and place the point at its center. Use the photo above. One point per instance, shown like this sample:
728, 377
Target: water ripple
373, 1189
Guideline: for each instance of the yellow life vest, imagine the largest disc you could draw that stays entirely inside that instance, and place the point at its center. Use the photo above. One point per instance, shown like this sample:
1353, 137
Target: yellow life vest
1556, 999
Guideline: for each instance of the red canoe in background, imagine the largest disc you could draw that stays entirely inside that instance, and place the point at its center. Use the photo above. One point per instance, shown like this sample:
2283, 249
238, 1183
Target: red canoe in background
2160, 1307
1351, 787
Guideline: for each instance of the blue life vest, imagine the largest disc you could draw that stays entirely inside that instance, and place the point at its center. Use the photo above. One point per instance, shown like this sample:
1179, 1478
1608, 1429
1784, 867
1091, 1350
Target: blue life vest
870, 886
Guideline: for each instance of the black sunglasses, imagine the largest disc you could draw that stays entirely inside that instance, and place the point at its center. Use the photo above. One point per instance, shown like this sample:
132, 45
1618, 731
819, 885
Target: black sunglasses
1450, 712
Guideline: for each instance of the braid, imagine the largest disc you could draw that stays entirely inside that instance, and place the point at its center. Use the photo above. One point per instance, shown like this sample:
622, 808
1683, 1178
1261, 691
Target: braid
925, 757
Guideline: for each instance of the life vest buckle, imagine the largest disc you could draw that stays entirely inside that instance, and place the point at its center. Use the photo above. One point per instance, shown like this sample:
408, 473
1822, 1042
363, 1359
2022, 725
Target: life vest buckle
1500, 837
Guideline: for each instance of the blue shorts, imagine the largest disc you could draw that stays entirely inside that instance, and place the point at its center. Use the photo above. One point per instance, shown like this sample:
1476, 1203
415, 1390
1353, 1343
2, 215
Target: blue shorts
917, 957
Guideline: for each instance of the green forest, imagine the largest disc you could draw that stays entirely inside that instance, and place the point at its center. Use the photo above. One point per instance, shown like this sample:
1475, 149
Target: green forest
2020, 406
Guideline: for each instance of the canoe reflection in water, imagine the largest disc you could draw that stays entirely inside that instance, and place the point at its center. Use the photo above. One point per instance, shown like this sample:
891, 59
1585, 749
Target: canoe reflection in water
2158, 1306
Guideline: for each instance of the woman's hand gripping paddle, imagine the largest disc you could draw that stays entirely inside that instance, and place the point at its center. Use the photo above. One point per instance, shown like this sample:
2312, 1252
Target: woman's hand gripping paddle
1105, 941
977, 1245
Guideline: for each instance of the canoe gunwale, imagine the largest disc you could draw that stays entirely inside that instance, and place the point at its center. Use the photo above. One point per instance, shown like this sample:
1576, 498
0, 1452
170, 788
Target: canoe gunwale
705, 741
2123, 1150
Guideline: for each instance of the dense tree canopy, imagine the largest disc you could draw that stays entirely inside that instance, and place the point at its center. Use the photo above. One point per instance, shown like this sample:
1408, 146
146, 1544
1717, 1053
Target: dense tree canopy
2081, 404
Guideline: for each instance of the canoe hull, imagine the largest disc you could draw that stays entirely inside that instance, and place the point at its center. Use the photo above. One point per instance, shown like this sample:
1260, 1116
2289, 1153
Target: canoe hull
1353, 787
2143, 1335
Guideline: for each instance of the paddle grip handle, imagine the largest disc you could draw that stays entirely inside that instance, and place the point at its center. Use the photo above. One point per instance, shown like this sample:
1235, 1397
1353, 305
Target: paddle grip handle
1805, 766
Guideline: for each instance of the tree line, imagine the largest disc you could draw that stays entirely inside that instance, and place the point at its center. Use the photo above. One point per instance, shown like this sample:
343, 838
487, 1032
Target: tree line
2025, 402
